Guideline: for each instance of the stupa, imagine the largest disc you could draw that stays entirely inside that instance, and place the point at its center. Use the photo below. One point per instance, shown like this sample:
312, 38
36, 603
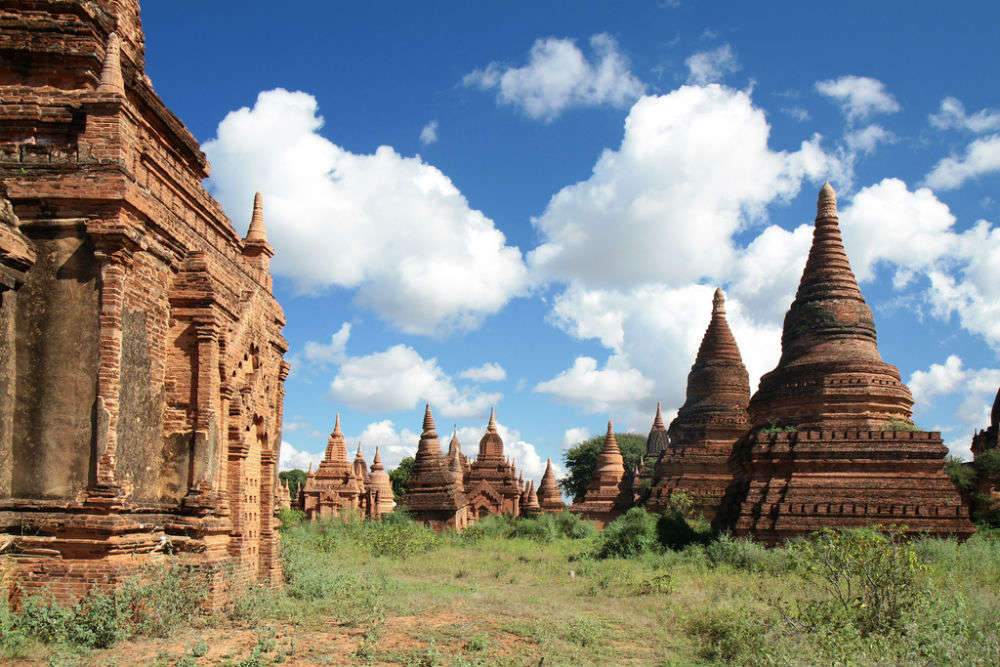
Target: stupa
432, 496
609, 492
380, 487
833, 445
549, 497
712, 419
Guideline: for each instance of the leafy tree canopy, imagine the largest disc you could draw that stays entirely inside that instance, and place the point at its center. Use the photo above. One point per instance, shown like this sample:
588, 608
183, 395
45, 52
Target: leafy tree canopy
400, 476
581, 459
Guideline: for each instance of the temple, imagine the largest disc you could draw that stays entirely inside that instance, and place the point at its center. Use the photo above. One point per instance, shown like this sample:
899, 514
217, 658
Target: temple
549, 497
334, 487
433, 495
609, 492
491, 483
141, 353
832, 444
695, 462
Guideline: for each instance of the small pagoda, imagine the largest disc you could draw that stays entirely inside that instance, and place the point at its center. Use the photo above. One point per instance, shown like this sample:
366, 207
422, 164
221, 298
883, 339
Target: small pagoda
609, 492
549, 497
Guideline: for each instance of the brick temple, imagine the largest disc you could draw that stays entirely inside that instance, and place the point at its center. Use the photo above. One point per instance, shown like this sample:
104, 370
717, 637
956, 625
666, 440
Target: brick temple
695, 461
340, 487
141, 354
827, 441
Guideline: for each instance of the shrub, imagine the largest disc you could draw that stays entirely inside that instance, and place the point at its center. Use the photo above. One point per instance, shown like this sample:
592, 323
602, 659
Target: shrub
630, 534
869, 578
290, 518
744, 554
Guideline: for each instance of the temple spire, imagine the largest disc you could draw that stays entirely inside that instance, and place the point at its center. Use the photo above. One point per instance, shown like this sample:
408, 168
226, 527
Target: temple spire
111, 72
377, 461
492, 425
429, 427
257, 233
658, 419
610, 443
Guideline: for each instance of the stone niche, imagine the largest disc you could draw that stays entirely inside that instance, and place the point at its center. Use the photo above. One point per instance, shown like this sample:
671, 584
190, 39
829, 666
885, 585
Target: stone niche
141, 355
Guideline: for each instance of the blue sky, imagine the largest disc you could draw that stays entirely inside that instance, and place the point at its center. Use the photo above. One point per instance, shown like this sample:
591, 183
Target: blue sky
529, 205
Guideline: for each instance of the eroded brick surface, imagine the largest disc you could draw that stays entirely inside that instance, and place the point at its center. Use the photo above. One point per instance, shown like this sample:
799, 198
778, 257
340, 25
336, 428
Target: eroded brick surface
141, 355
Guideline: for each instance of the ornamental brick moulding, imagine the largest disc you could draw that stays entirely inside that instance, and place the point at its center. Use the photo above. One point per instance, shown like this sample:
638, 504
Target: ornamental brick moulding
832, 443
146, 417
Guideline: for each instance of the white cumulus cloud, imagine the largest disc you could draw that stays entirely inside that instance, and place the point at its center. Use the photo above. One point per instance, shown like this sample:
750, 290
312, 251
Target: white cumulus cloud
399, 379
293, 459
982, 156
952, 116
332, 352
559, 76
574, 435
393, 228
598, 390
712, 66
488, 372
858, 96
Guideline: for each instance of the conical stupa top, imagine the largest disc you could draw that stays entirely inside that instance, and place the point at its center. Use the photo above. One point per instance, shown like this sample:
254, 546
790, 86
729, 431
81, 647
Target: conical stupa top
610, 443
718, 342
429, 443
111, 72
658, 419
532, 496
359, 455
377, 461
492, 425
454, 447
256, 232
310, 468
828, 272
548, 489
336, 444
429, 426
830, 361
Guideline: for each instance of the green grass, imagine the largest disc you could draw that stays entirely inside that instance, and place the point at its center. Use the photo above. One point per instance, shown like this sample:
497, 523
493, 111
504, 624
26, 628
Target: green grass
505, 594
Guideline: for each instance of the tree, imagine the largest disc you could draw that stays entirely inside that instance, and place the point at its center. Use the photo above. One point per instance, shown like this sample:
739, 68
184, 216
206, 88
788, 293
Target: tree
581, 459
400, 476
295, 479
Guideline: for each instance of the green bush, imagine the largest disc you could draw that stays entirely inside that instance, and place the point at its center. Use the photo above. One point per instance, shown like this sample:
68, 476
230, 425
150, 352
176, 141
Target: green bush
153, 604
867, 578
290, 518
742, 553
631, 534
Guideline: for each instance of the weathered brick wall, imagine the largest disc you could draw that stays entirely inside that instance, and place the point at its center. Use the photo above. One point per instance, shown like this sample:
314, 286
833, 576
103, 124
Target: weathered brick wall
142, 349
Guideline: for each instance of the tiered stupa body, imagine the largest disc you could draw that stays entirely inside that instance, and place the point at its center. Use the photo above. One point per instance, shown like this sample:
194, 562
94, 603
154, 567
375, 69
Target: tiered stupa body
609, 492
457, 461
432, 496
141, 371
845, 455
656, 443
712, 419
334, 487
380, 487
549, 497
361, 470
531, 505
491, 485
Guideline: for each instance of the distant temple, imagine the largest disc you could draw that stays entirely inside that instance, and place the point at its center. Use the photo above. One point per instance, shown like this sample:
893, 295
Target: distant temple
491, 484
338, 487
